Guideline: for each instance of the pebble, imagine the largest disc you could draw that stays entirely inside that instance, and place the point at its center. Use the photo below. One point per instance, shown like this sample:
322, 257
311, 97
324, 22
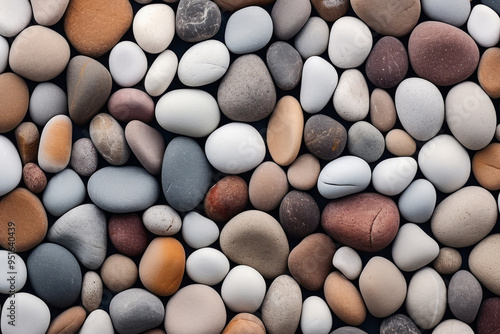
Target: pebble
299, 214
186, 174
243, 289
203, 63
128, 104
304, 171
319, 80
84, 157
118, 273
382, 286
483, 26
227, 198
162, 266
48, 14
445, 163
154, 27
248, 30
197, 20
413, 249
391, 176
235, 148
68, 321
14, 18
488, 320
4, 53
387, 63
484, 166
128, 63
245, 323
13, 272
464, 296
11, 168
316, 317
27, 306
33, 41
383, 114
488, 73
34, 178
400, 143
325, 137
452, 326
82, 230
267, 187
465, 217
442, 53
92, 290
285, 65
97, 321
247, 92
417, 202
161, 73
256, 239
127, 233
26, 211
282, 305
47, 100
348, 262
388, 17
207, 266
344, 176
483, 262
65, 190
162, 220
199, 231
27, 140
426, 299
312, 39
348, 330
14, 94
448, 261
398, 323
232, 5
351, 99
89, 86
195, 301
88, 28
310, 261
449, 11
147, 144
365, 141
331, 11
178, 111
60, 290
470, 115
344, 299
289, 18
54, 151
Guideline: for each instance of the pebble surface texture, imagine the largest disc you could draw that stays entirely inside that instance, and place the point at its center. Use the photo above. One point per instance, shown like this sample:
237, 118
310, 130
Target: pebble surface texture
249, 166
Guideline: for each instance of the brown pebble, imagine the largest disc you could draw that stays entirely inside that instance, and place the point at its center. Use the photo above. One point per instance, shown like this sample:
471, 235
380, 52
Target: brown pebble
234, 5
14, 95
303, 173
330, 10
147, 144
68, 322
226, 199
54, 151
34, 178
128, 234
448, 261
488, 319
129, 104
84, 157
244, 323
299, 214
324, 137
267, 187
387, 63
400, 143
382, 110
488, 72
27, 138
118, 272
486, 166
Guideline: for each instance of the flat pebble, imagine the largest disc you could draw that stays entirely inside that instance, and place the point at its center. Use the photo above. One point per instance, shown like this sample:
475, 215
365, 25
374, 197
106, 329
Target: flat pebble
348, 262
195, 301
400, 143
256, 239
84, 157
464, 296
417, 202
97, 320
127, 233
154, 27
82, 230
398, 323
199, 231
118, 272
243, 289
289, 18
54, 151
351, 99
387, 63
13, 272
452, 12
299, 214
27, 306
483, 262
383, 114
329, 11
34, 178
14, 18
48, 14
484, 26
448, 261
27, 139
245, 323
60, 290
161, 73
303, 173
452, 326
69, 320
46, 101
484, 166
365, 141
162, 220
285, 65
248, 30
92, 290
312, 39
64, 191
267, 187
316, 317
325, 137
227, 198
147, 144
207, 266
197, 20
4, 54
11, 168
488, 320
123, 189
319, 80
15, 97
128, 104
127, 63
487, 72
391, 176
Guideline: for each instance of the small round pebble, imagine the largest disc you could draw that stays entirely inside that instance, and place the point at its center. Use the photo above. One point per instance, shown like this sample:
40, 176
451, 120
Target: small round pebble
303, 172
34, 178
161, 73
400, 143
92, 290
483, 262
325, 137
227, 198
154, 27
127, 104
127, 63
348, 261
365, 141
118, 272
417, 202
391, 176
199, 231
289, 18
387, 63
46, 101
97, 321
108, 137
398, 323
464, 296
485, 166
484, 26
245, 323
448, 261
64, 191
162, 220
207, 266
197, 20
13, 272
69, 320
316, 316
127, 234
351, 99
84, 157
54, 151
488, 73
448, 11
15, 97
453, 326
26, 306
299, 214
267, 187
14, 18
147, 144
319, 80
312, 39
243, 289
383, 114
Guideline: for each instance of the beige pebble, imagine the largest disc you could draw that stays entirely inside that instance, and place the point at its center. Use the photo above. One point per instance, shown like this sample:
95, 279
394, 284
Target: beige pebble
448, 261
484, 262
303, 173
91, 291
267, 187
400, 143
382, 110
108, 137
118, 272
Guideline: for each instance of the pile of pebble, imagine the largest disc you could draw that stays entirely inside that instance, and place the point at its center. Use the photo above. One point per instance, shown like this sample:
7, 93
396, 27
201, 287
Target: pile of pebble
249, 166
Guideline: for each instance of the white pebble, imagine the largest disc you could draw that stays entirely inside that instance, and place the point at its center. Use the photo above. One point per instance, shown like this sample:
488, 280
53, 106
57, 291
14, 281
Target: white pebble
14, 16
416, 204
97, 321
161, 73
316, 317
154, 27
127, 63
391, 176
452, 326
351, 99
4, 54
319, 79
162, 220
11, 168
12, 263
207, 266
24, 313
348, 262
199, 231
484, 26
243, 289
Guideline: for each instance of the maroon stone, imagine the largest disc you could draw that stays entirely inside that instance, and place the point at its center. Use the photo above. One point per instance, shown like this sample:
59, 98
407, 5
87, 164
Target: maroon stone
488, 319
128, 234
387, 63
299, 214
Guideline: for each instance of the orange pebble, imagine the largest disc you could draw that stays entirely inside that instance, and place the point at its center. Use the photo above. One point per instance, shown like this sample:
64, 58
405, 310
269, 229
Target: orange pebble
55, 144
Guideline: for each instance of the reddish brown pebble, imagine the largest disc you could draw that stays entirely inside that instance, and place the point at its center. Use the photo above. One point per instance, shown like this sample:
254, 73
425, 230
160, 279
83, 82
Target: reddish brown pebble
486, 166
68, 322
245, 323
34, 178
331, 10
387, 63
14, 97
233, 5
128, 234
129, 104
382, 110
226, 199
310, 261
488, 319
147, 144
27, 138
299, 214
367, 222
488, 72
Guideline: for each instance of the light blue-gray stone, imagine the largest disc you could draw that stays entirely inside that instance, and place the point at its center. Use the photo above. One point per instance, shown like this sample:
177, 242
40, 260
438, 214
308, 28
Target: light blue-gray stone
64, 191
454, 12
47, 101
186, 174
365, 141
123, 189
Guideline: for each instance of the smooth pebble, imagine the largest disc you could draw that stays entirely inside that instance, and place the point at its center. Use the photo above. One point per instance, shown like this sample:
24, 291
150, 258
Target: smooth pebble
417, 202
285, 65
26, 306
162, 220
46, 101
351, 99
207, 266
14, 18
13, 272
304, 171
312, 39
199, 231
243, 289
483, 26
154, 27
319, 80
391, 176
365, 141
289, 18
54, 151
464, 296
92, 290
267, 186
84, 157
147, 144
11, 168
315, 317
64, 191
161, 73
127, 63
348, 262
449, 11
483, 262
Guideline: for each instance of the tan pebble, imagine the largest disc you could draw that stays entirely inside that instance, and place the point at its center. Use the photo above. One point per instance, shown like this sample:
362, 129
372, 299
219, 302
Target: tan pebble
55, 144
108, 137
147, 144
488, 72
448, 261
118, 272
34, 178
14, 97
48, 13
27, 138
68, 322
484, 261
382, 110
400, 143
303, 173
284, 132
344, 299
91, 291
486, 166
245, 323
267, 187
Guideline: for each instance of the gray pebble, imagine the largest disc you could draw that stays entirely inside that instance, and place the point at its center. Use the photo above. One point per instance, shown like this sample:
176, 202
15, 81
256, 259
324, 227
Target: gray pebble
289, 17
365, 141
348, 330
285, 65
64, 191
312, 40
84, 157
47, 101
398, 323
197, 20
464, 296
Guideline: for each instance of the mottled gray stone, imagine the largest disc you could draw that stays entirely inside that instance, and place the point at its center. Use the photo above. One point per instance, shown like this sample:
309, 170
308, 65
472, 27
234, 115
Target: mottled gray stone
398, 323
365, 141
289, 17
464, 296
197, 20
84, 157
285, 65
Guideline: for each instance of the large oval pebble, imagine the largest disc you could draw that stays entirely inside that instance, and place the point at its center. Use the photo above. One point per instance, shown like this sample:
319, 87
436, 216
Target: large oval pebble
464, 296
